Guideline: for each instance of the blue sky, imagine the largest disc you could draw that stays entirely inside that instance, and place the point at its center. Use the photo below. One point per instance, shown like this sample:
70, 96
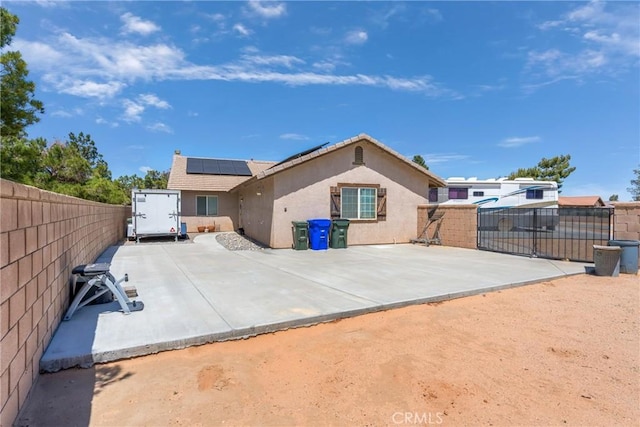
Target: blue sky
476, 88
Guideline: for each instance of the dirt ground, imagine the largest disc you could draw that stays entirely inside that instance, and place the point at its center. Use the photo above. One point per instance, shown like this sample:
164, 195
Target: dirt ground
564, 352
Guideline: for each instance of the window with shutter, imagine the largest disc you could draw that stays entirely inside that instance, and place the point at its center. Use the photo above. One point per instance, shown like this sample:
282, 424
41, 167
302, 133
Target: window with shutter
363, 202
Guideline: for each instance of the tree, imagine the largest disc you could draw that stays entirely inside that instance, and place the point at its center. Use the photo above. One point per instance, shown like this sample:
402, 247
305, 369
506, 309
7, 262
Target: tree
554, 169
129, 182
613, 198
156, 180
634, 190
21, 158
18, 107
420, 160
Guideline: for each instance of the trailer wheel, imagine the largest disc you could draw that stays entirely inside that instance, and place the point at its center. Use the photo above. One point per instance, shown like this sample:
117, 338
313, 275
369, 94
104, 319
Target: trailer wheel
505, 224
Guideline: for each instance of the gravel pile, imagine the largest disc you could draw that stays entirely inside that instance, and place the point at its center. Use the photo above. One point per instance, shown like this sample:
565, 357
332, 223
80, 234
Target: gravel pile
235, 242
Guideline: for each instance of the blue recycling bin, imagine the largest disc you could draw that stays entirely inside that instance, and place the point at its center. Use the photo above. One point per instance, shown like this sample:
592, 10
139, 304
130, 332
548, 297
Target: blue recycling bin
319, 233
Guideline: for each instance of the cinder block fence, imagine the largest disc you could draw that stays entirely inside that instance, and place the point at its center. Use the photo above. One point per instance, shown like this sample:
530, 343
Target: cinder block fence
43, 235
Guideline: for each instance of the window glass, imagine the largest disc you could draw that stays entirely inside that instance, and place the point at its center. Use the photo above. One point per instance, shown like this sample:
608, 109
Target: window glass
212, 205
458, 193
534, 194
367, 203
349, 203
433, 195
358, 203
478, 193
206, 205
201, 206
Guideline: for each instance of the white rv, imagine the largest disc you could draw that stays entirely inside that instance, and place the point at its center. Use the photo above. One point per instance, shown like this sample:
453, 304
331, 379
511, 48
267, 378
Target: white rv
497, 193
495, 197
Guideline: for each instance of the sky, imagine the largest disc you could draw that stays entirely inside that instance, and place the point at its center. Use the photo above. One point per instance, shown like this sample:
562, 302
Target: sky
479, 89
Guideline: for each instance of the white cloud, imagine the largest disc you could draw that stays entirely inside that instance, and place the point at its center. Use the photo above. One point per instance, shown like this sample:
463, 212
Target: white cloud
134, 24
356, 37
433, 14
102, 121
431, 159
242, 30
145, 169
153, 101
383, 16
51, 3
267, 10
606, 38
324, 66
160, 127
101, 68
294, 136
84, 88
216, 17
278, 60
61, 113
518, 141
132, 111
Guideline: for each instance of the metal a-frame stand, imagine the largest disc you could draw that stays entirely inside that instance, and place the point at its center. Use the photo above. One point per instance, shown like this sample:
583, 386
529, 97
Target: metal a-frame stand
434, 218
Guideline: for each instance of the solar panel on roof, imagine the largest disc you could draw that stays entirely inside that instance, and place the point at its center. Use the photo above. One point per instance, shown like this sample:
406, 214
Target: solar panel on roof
242, 168
217, 167
226, 168
194, 165
210, 167
302, 153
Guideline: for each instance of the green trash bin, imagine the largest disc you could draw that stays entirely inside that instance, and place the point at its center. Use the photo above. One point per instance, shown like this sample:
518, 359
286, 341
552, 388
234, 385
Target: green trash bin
300, 231
339, 230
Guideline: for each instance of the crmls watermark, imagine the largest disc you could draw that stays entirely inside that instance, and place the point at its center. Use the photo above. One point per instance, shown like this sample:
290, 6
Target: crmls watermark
417, 418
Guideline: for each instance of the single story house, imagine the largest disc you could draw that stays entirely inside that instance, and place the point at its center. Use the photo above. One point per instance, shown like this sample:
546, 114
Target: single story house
360, 178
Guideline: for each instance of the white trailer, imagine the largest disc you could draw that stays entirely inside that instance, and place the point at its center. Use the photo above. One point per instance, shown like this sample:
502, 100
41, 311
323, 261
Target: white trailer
496, 197
155, 213
497, 193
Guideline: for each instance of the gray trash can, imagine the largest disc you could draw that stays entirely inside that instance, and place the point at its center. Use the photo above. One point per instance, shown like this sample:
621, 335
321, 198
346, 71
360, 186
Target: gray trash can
607, 260
629, 255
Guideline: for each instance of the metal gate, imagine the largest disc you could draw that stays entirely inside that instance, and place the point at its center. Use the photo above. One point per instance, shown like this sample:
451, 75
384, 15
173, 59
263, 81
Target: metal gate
556, 233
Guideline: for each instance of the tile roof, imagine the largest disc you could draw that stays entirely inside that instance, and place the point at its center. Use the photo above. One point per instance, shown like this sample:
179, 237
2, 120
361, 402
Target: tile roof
580, 201
180, 180
434, 179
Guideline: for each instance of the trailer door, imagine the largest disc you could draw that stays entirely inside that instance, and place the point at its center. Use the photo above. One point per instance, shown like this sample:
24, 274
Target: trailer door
156, 213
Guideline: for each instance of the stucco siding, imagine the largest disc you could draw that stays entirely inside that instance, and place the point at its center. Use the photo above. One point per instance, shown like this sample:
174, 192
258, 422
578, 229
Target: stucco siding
303, 192
227, 217
256, 210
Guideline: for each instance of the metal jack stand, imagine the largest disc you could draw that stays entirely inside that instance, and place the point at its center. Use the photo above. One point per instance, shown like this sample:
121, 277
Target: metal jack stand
98, 275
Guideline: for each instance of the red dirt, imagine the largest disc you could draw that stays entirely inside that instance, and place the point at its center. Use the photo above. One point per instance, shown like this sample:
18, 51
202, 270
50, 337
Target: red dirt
565, 352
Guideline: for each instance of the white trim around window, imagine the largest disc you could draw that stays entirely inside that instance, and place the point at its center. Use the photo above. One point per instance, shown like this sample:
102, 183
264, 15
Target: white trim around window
359, 203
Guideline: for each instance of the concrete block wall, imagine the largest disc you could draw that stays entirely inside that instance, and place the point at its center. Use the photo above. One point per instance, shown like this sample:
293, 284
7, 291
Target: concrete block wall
43, 235
626, 221
459, 224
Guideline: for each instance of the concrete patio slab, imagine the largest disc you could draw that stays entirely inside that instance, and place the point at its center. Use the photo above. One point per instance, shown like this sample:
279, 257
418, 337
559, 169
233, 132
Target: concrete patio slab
201, 292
